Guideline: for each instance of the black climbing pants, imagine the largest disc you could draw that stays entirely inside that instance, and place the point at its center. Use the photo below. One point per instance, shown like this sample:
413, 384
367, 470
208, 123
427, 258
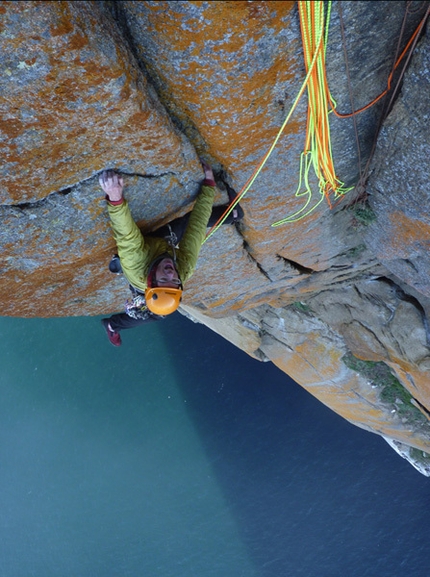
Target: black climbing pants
121, 321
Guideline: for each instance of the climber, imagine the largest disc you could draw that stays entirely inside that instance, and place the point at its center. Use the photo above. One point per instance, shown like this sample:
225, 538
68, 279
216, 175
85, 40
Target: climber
155, 265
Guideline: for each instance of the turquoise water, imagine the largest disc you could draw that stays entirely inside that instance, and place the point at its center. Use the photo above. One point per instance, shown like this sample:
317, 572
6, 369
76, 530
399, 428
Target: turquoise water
179, 455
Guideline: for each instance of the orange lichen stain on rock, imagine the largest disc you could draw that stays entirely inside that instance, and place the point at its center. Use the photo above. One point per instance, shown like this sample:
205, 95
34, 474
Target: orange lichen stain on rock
414, 379
282, 241
12, 127
324, 359
406, 231
212, 114
139, 119
357, 408
164, 22
234, 141
77, 41
51, 102
244, 16
66, 90
259, 10
64, 24
97, 73
53, 287
299, 368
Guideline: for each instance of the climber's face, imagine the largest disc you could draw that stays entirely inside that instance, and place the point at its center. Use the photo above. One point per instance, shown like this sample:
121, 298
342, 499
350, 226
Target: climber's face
166, 274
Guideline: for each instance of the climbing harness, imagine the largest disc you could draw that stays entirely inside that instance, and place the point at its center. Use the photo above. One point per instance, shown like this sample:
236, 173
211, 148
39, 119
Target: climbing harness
135, 307
172, 241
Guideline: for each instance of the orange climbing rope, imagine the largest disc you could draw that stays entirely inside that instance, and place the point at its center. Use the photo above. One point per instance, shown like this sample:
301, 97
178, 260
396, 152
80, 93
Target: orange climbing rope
390, 77
311, 65
317, 144
317, 150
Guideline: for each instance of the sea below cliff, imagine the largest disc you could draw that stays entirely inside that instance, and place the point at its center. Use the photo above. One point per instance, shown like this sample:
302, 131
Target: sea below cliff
179, 455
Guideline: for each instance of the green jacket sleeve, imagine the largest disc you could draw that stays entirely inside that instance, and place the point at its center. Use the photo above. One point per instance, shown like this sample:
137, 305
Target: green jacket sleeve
132, 248
191, 243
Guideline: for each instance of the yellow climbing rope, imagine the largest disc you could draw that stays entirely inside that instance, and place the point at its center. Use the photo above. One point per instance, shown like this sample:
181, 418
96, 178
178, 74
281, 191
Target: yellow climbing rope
314, 27
317, 151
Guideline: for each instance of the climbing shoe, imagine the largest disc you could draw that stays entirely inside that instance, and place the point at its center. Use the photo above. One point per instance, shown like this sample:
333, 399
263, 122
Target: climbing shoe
221, 179
115, 265
113, 336
237, 211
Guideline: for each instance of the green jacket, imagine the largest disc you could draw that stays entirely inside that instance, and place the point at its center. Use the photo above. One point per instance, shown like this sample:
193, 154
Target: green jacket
138, 252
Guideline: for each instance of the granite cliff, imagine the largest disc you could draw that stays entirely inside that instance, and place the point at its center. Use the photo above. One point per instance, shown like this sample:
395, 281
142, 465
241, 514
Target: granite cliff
338, 300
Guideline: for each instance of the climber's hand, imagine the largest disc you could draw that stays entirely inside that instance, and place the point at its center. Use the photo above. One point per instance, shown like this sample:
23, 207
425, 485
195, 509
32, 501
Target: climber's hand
112, 184
209, 175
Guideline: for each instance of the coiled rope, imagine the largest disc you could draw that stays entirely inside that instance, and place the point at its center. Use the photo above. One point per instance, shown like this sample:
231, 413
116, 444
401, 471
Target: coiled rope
317, 150
314, 10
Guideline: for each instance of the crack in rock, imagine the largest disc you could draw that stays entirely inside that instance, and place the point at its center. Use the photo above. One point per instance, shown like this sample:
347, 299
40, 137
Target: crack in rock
69, 189
40, 202
149, 176
295, 265
253, 259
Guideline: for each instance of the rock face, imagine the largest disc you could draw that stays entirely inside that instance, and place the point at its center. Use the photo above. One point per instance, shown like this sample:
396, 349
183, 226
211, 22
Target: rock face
400, 235
339, 299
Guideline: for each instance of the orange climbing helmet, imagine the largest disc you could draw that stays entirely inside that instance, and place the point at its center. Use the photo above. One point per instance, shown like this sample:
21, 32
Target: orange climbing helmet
163, 300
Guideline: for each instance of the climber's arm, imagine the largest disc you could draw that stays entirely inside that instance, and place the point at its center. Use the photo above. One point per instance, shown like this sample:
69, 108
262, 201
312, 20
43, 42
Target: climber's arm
129, 240
195, 232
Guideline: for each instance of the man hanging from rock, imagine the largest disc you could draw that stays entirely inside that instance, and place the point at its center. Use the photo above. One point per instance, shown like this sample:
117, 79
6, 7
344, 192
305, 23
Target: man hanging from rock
156, 265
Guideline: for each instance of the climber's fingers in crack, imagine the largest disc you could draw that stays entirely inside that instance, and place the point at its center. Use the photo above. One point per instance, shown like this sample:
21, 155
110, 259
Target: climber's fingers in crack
207, 170
110, 177
111, 182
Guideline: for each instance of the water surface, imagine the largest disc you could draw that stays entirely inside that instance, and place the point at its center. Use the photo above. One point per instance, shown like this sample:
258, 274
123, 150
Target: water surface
179, 455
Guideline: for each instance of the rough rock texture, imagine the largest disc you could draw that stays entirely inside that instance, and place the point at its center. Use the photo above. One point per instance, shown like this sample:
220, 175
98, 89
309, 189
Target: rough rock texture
338, 300
400, 236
